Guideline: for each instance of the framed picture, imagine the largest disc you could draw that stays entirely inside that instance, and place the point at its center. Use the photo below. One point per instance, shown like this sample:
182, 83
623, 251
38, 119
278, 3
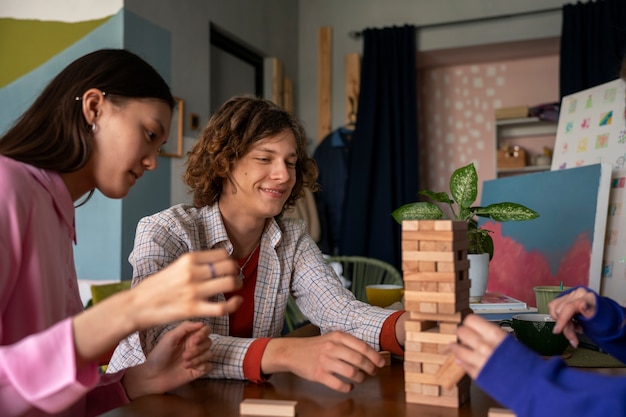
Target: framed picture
174, 146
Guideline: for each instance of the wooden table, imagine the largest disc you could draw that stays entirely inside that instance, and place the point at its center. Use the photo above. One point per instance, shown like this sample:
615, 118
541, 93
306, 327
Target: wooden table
381, 395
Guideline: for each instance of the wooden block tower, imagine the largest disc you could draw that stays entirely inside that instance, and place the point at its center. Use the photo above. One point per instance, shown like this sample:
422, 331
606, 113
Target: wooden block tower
436, 282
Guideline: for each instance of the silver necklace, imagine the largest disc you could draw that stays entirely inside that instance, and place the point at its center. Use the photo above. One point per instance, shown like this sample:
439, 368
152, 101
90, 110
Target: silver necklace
241, 275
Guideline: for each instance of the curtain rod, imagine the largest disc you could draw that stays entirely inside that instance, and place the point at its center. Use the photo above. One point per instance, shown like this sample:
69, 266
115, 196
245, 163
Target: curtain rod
358, 34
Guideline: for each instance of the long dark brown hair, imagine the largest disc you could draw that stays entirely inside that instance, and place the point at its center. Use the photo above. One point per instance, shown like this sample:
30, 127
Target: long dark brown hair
53, 134
228, 136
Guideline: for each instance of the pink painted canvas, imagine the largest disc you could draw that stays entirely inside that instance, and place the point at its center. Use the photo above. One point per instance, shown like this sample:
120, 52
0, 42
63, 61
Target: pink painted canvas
565, 243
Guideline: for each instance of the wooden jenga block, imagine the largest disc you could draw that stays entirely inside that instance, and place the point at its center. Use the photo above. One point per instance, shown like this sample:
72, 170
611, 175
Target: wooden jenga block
419, 325
424, 357
448, 328
460, 265
430, 368
441, 401
409, 245
431, 390
410, 366
450, 373
429, 256
425, 266
430, 276
415, 387
500, 412
437, 245
262, 407
429, 347
409, 225
431, 336
441, 236
437, 297
417, 315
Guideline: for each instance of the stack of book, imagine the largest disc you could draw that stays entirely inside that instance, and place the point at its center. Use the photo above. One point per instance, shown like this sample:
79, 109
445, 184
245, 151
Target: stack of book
496, 306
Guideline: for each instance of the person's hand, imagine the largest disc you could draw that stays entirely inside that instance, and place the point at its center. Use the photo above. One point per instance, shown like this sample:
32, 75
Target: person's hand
182, 355
178, 292
478, 339
181, 290
563, 309
337, 360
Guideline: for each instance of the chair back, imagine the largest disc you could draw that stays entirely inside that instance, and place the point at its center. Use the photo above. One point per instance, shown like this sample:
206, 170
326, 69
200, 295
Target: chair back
362, 271
102, 291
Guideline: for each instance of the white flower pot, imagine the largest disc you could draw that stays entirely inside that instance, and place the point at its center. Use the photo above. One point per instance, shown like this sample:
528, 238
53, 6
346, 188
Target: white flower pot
478, 274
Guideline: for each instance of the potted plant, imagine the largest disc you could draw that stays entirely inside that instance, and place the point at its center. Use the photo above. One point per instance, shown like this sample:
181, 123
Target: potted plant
464, 190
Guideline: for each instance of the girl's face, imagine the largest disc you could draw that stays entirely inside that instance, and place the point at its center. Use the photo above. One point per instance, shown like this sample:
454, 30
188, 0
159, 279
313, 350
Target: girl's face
127, 141
261, 181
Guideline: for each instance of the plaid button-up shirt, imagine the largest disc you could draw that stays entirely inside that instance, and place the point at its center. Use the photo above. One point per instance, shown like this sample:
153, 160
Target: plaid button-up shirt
289, 262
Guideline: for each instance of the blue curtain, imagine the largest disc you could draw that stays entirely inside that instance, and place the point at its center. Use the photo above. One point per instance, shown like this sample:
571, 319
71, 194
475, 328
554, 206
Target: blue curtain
593, 42
383, 167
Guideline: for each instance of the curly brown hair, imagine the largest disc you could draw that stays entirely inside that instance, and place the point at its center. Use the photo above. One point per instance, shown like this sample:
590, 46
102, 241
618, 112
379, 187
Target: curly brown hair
228, 136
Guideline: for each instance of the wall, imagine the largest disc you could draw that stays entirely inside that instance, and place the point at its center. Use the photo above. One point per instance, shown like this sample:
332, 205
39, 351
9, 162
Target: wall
355, 15
457, 106
268, 27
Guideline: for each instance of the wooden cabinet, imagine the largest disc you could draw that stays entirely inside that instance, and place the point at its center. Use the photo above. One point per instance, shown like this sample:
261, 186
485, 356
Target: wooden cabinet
529, 134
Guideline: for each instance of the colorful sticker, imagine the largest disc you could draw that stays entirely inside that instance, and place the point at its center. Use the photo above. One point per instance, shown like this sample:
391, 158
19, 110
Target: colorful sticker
606, 118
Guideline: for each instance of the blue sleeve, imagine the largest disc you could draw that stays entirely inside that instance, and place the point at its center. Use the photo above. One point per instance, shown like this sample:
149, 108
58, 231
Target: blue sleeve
529, 385
606, 327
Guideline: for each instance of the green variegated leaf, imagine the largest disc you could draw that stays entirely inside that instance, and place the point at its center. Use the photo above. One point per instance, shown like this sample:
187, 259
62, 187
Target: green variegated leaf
504, 212
417, 211
464, 186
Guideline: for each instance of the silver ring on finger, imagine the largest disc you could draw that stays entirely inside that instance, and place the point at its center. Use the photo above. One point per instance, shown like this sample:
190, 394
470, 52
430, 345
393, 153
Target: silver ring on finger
212, 268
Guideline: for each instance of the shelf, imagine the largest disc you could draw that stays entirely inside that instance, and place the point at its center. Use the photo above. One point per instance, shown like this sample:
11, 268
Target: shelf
530, 133
525, 127
526, 169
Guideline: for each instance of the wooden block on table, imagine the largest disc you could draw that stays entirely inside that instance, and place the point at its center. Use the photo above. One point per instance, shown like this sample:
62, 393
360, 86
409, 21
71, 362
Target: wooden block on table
262, 407
500, 412
386, 356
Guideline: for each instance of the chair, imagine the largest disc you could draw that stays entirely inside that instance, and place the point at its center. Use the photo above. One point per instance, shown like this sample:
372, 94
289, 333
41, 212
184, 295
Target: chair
102, 291
361, 272
99, 293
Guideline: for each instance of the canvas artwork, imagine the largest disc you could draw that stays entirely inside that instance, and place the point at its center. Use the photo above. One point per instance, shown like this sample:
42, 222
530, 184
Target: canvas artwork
565, 243
592, 129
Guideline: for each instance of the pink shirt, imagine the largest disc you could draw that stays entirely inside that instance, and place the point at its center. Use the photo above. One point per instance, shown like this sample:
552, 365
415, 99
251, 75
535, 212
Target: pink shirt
38, 295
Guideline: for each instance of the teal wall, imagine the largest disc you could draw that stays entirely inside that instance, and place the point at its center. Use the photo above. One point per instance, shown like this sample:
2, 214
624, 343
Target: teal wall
105, 227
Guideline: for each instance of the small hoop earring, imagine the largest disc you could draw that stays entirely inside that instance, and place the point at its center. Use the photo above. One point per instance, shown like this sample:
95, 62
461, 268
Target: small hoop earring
93, 127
